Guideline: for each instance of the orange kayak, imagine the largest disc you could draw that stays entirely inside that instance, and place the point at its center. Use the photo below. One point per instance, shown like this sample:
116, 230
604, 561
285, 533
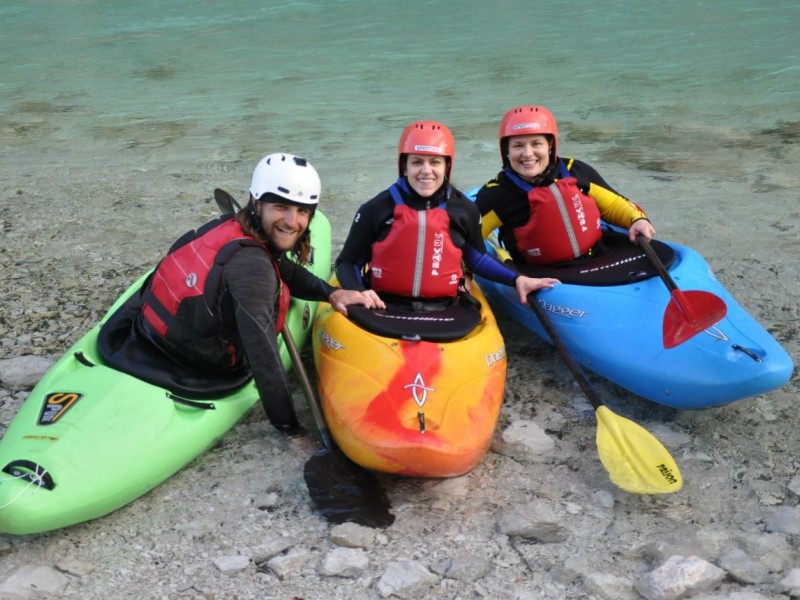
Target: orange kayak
411, 402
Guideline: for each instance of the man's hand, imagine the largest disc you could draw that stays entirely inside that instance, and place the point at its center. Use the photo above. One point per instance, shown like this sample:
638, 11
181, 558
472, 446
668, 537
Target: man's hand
340, 299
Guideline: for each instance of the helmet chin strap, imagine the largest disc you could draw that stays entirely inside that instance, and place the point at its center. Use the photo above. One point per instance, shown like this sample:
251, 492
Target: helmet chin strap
255, 217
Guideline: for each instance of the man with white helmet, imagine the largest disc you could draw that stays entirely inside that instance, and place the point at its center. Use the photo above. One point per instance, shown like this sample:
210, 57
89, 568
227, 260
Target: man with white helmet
219, 298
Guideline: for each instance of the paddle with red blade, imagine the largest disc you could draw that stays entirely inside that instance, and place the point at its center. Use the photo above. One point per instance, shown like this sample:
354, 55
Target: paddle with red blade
688, 312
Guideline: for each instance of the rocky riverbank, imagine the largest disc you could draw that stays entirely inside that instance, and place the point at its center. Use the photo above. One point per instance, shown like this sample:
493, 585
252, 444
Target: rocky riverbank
538, 518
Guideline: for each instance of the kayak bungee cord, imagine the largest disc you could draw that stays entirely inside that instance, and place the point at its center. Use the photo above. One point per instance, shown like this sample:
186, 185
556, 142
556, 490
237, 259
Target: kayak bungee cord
36, 479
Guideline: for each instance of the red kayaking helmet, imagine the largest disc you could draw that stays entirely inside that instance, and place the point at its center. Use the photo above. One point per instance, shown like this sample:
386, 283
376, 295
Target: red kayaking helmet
528, 120
426, 137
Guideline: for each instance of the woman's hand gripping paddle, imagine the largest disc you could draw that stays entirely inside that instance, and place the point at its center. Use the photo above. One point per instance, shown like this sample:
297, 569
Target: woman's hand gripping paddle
688, 312
340, 489
635, 460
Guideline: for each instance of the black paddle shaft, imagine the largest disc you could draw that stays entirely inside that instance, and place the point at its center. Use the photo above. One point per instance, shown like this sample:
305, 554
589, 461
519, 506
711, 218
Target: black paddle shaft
300, 370
577, 372
656, 262
340, 489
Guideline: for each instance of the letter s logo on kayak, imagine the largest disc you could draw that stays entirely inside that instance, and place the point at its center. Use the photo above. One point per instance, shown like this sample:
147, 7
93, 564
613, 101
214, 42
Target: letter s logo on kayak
55, 405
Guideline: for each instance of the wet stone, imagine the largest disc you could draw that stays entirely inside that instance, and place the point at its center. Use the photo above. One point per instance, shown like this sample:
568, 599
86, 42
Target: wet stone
679, 577
406, 579
345, 562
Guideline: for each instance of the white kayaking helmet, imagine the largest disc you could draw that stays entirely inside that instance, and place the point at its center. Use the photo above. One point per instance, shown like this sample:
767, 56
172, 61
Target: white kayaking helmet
287, 176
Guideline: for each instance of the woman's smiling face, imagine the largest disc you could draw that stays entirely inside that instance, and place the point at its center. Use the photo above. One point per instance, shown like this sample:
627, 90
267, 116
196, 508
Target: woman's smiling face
529, 155
425, 173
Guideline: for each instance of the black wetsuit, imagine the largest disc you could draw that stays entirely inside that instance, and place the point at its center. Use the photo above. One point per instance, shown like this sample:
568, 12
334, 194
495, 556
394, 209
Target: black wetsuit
374, 219
503, 204
246, 304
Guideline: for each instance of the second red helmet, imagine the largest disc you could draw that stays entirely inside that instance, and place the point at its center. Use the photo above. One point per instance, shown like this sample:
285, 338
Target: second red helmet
426, 137
528, 120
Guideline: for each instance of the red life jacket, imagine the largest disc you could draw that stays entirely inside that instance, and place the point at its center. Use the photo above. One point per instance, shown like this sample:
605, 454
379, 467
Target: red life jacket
564, 224
418, 259
181, 302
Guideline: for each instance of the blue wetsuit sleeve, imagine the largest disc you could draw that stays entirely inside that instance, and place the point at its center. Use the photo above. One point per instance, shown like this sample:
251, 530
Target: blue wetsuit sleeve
349, 275
487, 266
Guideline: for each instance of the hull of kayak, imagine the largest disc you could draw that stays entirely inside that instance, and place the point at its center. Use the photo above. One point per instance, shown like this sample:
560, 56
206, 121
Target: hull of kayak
418, 408
90, 439
616, 331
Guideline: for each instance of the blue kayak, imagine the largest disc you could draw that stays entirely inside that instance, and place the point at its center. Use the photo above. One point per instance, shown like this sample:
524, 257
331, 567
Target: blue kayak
609, 312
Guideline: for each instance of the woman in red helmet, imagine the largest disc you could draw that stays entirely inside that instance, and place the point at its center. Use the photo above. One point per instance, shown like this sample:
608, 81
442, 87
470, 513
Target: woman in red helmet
408, 242
548, 207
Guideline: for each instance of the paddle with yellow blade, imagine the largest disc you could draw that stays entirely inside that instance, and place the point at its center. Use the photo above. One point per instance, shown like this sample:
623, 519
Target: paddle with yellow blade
635, 460
688, 312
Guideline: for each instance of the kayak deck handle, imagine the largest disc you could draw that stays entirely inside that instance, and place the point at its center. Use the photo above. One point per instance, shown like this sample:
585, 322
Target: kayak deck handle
192, 403
748, 352
634, 276
28, 470
81, 358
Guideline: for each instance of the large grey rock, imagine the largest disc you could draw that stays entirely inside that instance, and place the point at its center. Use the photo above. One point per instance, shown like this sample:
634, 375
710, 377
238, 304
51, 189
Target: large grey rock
23, 372
33, 581
406, 579
679, 577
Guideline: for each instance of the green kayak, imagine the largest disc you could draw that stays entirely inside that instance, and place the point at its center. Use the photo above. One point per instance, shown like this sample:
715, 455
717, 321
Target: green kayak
90, 439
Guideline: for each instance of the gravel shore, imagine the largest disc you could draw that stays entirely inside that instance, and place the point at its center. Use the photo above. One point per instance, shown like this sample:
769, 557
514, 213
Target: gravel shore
528, 523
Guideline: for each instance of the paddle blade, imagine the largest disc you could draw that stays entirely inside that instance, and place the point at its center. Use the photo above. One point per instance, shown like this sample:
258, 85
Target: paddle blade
690, 312
343, 491
225, 202
635, 460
